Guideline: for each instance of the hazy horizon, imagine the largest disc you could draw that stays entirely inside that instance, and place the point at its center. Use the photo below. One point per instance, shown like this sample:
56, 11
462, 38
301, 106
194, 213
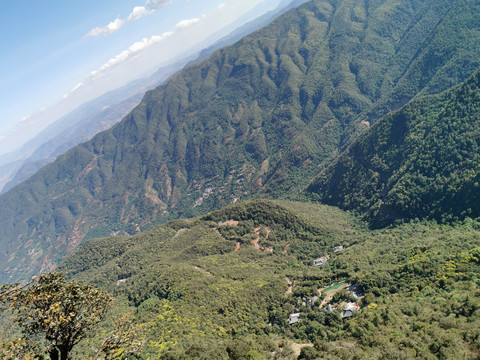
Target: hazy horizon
80, 60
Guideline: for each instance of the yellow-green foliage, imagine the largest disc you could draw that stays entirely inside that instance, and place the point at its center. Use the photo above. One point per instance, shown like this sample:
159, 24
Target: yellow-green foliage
412, 275
259, 117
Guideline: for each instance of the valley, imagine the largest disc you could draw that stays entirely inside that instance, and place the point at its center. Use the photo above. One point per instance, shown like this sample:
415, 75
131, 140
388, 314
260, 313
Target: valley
309, 192
192, 288
258, 118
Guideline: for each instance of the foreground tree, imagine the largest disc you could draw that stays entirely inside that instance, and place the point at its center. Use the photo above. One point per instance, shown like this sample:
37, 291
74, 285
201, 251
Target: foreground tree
62, 312
8, 291
125, 340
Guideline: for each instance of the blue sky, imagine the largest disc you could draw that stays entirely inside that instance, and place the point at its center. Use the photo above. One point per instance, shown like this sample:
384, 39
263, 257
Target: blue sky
55, 55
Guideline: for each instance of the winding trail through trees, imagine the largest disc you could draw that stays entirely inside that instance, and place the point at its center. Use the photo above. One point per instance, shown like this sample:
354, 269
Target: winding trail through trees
257, 232
290, 287
202, 270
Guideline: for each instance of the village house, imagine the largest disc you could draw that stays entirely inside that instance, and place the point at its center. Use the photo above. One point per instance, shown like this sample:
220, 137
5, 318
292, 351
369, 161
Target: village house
320, 261
293, 318
351, 309
338, 248
355, 290
308, 301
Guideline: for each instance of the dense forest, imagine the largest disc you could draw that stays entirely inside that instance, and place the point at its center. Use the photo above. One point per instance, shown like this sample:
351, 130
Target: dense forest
223, 286
259, 118
422, 161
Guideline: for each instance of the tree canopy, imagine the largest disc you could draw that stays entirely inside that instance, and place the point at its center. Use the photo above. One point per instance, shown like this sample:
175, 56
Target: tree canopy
61, 313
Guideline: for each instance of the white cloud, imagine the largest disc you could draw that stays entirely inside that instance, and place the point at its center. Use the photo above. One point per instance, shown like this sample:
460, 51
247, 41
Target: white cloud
78, 86
2, 137
25, 118
134, 48
108, 29
138, 12
221, 6
137, 46
186, 23
75, 88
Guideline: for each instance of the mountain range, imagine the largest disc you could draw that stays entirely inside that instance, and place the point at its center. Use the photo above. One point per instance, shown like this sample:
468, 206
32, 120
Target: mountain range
308, 192
78, 126
102, 113
259, 118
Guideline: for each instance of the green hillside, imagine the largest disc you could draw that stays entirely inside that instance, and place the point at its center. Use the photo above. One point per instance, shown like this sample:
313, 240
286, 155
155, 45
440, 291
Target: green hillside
202, 296
311, 192
420, 162
258, 118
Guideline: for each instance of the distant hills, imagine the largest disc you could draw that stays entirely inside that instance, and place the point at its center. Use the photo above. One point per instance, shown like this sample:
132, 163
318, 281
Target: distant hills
259, 118
78, 126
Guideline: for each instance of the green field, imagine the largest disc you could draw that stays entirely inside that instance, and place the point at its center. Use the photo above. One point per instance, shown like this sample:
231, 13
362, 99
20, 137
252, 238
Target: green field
335, 287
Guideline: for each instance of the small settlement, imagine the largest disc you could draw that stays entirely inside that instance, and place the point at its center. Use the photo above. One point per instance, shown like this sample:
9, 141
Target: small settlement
346, 309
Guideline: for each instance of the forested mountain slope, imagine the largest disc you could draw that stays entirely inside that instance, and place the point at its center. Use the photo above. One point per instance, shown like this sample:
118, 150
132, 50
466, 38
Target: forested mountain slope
421, 161
223, 285
102, 113
260, 116
66, 139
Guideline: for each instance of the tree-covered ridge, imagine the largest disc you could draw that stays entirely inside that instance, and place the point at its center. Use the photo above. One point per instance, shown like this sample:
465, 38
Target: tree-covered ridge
202, 298
215, 277
260, 116
420, 162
